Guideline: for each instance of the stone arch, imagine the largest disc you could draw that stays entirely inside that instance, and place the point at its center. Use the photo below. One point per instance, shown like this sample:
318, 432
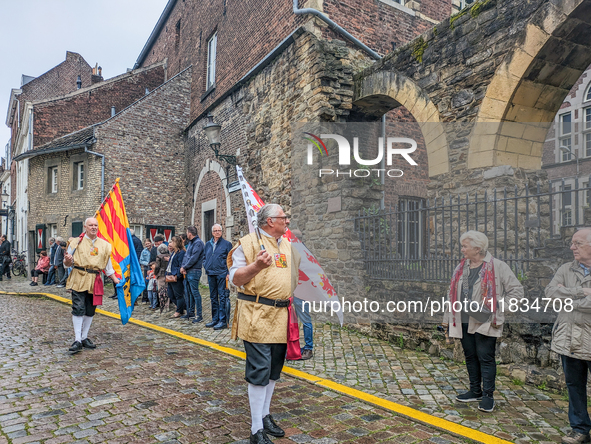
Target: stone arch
385, 90
213, 166
530, 85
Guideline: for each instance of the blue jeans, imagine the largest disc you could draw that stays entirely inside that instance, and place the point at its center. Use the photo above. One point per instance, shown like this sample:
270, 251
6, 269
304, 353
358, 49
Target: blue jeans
217, 294
575, 375
50, 276
193, 296
153, 298
303, 312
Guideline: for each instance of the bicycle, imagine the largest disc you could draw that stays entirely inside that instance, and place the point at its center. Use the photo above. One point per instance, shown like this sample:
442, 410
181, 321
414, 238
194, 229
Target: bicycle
19, 264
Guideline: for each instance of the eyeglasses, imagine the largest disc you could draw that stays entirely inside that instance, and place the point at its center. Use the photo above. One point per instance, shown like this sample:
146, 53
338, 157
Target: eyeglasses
281, 217
577, 244
217, 231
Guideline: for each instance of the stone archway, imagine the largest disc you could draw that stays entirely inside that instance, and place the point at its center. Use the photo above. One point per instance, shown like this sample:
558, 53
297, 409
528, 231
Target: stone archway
530, 85
382, 91
213, 166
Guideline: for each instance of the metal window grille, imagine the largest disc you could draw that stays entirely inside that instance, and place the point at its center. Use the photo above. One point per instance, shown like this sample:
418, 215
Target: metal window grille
419, 240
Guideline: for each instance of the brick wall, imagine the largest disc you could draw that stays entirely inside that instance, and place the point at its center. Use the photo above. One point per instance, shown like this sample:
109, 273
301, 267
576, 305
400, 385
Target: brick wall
248, 31
143, 146
63, 115
380, 25
58, 81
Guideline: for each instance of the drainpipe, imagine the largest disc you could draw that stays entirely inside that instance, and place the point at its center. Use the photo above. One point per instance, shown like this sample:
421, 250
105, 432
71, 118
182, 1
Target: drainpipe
336, 28
102, 156
341, 31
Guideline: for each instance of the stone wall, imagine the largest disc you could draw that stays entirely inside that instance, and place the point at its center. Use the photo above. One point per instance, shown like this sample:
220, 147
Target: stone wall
68, 205
144, 146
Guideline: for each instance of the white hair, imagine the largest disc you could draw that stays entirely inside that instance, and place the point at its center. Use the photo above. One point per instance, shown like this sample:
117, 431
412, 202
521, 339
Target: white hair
477, 239
588, 229
267, 211
216, 225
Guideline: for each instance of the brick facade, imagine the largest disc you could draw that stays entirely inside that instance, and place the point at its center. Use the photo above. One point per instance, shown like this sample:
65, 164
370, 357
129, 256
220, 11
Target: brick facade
143, 145
58, 81
62, 115
247, 32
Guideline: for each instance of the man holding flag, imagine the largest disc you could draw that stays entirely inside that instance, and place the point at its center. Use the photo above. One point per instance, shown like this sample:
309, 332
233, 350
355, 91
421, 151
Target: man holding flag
90, 256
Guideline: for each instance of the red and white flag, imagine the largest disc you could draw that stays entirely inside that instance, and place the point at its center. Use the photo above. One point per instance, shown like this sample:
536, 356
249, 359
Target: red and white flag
313, 284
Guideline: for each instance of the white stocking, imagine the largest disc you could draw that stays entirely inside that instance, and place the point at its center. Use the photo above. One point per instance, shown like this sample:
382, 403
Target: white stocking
77, 321
87, 320
256, 398
268, 395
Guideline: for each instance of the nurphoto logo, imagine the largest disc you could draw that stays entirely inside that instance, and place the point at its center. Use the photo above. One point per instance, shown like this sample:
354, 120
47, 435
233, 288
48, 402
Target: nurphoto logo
393, 146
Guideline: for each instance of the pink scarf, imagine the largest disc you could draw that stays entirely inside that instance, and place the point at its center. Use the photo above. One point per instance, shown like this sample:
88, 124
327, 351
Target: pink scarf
487, 285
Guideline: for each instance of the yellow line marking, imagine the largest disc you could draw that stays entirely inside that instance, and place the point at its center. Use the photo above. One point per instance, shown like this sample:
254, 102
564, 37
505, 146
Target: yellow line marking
409, 412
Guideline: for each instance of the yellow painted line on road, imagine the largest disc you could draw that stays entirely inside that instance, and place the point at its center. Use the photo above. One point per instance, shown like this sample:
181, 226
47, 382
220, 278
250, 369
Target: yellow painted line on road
414, 414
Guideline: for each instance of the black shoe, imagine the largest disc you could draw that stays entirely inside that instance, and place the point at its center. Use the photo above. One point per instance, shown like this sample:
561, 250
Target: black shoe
469, 396
260, 437
220, 326
87, 343
113, 297
211, 324
487, 404
271, 427
76, 347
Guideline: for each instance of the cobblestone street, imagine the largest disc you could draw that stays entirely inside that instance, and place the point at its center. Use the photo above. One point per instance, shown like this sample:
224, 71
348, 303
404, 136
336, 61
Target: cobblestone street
181, 378
146, 387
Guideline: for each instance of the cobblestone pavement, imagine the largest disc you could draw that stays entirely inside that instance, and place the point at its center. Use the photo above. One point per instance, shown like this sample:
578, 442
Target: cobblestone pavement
411, 378
141, 386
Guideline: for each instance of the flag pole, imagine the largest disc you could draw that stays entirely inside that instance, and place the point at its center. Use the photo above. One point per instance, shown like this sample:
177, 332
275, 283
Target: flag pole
106, 197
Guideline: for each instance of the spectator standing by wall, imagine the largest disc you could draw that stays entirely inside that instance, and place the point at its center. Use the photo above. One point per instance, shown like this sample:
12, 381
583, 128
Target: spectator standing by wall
5, 258
216, 268
191, 268
174, 276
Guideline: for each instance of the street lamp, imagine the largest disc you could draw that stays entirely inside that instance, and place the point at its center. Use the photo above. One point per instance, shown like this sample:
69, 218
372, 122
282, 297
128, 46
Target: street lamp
212, 131
568, 150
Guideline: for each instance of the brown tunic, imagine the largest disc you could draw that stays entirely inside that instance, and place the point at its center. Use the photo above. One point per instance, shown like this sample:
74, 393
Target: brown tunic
255, 322
85, 257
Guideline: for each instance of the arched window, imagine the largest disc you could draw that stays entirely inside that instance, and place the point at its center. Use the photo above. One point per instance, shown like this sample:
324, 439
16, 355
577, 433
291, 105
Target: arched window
588, 93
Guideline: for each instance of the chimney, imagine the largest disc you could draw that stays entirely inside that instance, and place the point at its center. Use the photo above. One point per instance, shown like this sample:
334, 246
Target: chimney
113, 112
96, 75
79, 82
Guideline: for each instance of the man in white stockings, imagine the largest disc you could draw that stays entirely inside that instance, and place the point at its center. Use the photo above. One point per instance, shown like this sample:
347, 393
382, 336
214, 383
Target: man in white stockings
90, 255
266, 280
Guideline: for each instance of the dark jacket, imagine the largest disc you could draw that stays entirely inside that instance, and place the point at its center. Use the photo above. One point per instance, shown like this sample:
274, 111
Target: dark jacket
137, 245
177, 260
59, 257
5, 252
215, 261
153, 254
52, 251
194, 256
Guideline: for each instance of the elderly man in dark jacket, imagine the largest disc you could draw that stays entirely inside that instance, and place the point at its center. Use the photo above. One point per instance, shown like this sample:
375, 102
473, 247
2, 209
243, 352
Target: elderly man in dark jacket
216, 268
191, 268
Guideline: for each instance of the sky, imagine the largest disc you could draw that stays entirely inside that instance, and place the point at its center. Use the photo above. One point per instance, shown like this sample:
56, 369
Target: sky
35, 35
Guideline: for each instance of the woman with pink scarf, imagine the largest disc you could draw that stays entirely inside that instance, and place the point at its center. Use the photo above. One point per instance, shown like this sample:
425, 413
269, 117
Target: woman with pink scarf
479, 283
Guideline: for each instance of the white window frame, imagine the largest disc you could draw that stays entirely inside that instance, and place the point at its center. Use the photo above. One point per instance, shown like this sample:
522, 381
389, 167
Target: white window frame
212, 45
587, 96
139, 231
464, 3
53, 179
565, 156
51, 230
79, 172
